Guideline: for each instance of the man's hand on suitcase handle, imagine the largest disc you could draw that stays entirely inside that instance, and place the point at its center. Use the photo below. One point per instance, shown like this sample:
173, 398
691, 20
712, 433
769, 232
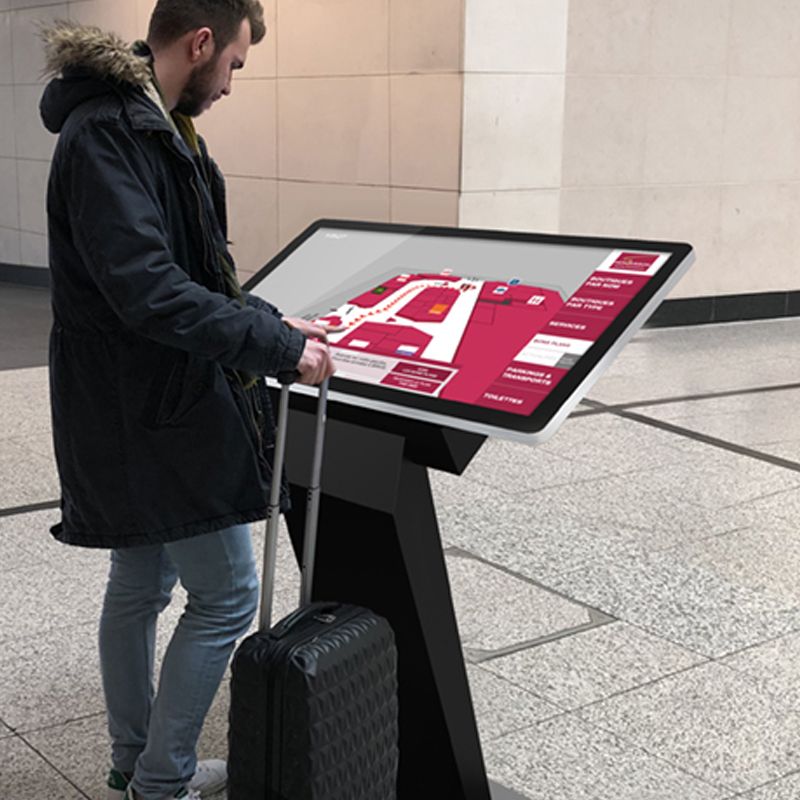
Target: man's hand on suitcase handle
316, 364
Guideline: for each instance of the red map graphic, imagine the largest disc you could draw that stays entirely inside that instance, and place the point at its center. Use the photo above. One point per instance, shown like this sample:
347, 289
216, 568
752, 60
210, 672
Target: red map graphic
385, 339
431, 305
503, 322
495, 344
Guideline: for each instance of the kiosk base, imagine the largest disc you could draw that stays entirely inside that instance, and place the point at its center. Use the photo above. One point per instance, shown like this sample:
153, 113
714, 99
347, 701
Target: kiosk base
501, 793
379, 547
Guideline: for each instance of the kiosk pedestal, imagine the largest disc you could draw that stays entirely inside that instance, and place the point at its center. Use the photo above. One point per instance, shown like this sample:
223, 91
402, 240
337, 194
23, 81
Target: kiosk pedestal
379, 547
443, 336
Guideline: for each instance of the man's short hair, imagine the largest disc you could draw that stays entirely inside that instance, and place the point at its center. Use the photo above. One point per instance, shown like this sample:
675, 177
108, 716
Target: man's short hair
173, 18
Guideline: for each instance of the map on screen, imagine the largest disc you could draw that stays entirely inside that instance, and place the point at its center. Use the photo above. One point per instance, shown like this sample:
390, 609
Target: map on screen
496, 344
494, 332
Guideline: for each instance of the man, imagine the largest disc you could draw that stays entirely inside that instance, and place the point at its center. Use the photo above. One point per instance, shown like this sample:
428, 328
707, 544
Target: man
162, 427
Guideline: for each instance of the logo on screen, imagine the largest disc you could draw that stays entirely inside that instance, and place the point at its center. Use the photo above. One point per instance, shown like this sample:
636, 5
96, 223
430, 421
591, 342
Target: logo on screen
635, 262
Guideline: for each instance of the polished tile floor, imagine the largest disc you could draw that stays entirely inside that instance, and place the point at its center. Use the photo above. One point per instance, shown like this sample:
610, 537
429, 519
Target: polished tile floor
627, 594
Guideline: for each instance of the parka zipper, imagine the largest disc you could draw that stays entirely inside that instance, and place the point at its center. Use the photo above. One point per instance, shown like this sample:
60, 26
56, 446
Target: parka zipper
251, 414
200, 215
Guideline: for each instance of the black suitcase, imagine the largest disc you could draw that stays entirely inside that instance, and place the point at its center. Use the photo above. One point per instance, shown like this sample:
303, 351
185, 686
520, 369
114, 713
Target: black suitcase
313, 711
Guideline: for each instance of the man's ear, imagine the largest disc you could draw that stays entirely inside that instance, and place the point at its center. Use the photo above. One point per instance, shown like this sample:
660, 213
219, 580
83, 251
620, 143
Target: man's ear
201, 45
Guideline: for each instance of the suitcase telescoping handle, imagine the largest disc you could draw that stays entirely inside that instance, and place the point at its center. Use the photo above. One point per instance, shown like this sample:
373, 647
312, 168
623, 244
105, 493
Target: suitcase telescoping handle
312, 507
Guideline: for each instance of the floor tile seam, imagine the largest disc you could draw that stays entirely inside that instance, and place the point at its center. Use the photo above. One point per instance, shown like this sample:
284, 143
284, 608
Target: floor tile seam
787, 602
482, 657
561, 710
52, 766
769, 527
24, 442
637, 745
702, 414
33, 562
14, 442
558, 709
761, 786
522, 728
15, 511
61, 724
712, 441
49, 624
760, 685
584, 706
754, 646
580, 481
618, 739
764, 686
775, 704
602, 408
689, 543
692, 543
770, 442
610, 619
682, 433
525, 492
630, 689
766, 496
66, 629
464, 481
465, 553
630, 547
670, 676
670, 462
704, 658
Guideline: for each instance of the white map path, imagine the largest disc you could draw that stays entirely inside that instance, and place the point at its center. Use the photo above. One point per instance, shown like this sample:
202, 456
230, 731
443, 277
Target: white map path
446, 335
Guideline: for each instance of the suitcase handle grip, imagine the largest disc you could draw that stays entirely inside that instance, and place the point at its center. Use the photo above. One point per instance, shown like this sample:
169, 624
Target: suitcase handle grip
286, 378
312, 511
287, 623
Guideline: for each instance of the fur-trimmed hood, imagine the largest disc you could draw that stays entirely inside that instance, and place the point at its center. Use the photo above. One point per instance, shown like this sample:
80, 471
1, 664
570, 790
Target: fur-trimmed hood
85, 62
70, 47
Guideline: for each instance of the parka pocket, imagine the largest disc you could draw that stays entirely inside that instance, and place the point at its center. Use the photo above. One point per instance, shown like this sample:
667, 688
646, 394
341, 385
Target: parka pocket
183, 386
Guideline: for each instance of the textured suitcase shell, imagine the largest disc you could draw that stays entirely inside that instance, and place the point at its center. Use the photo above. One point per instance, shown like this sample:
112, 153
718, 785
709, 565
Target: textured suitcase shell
313, 712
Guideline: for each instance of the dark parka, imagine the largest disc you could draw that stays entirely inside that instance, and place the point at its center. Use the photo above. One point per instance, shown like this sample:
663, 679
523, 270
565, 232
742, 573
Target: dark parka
156, 438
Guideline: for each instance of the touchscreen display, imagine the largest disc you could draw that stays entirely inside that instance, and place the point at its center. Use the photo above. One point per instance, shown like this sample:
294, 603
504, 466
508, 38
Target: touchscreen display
492, 323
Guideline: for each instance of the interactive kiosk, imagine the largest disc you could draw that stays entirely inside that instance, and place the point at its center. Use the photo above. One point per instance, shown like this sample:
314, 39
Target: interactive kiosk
448, 336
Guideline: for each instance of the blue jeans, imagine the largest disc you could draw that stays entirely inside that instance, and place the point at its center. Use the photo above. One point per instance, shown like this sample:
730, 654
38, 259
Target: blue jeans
154, 735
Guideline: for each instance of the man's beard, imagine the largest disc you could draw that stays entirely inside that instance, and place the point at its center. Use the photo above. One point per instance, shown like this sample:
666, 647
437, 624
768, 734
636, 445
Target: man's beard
198, 90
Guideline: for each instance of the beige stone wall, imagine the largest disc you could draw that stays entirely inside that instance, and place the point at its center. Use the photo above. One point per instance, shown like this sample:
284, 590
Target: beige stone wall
669, 119
673, 119
666, 119
514, 81
25, 147
682, 121
348, 109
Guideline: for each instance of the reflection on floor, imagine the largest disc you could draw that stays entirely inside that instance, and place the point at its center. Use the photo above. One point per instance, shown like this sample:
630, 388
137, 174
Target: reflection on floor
627, 593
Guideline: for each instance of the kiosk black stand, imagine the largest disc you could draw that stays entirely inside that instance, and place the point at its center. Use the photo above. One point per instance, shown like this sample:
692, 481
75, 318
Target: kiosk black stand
441, 337
379, 546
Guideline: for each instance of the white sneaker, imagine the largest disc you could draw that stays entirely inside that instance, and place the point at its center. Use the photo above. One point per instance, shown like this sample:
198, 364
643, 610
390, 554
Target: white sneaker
116, 785
211, 777
181, 794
